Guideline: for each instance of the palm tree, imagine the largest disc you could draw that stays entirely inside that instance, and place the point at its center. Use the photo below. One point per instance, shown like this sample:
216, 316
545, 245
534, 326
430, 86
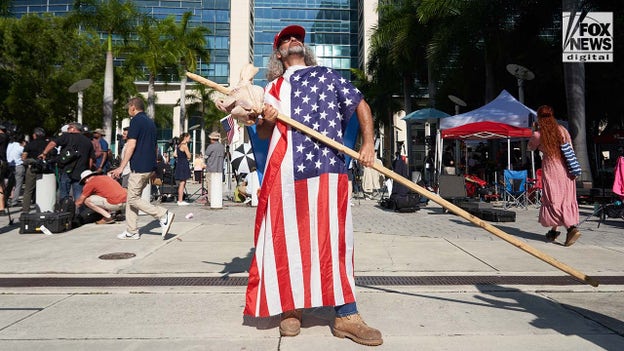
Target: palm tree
191, 44
465, 29
155, 51
112, 17
403, 38
382, 82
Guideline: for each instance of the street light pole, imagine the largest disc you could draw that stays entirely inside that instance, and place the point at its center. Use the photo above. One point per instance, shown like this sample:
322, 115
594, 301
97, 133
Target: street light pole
521, 73
78, 87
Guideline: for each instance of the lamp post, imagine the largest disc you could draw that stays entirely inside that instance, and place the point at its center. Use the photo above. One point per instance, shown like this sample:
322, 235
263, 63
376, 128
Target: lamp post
521, 73
458, 102
78, 87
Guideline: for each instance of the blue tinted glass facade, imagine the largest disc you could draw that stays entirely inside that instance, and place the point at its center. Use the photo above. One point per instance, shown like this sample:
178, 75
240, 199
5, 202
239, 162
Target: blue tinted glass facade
331, 31
331, 28
212, 14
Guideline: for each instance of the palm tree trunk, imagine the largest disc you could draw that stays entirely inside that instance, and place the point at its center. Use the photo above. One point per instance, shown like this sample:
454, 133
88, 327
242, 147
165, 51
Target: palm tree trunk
407, 99
151, 98
574, 80
182, 101
107, 105
431, 84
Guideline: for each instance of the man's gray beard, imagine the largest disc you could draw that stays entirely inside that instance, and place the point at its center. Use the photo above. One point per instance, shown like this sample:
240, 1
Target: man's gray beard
297, 50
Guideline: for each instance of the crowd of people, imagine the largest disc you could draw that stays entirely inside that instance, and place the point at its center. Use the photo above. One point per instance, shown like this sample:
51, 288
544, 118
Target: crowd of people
88, 174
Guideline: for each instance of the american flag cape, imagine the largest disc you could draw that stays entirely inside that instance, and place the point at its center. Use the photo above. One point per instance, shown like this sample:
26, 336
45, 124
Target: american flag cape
303, 233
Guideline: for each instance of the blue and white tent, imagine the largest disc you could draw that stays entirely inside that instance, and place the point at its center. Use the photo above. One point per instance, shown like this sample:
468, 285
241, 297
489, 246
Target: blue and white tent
504, 109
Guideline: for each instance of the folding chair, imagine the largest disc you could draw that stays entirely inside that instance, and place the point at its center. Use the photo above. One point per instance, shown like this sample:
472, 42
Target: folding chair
515, 188
534, 189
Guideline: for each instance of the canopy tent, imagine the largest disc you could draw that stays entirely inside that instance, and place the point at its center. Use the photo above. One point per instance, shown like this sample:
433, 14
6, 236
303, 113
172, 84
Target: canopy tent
424, 115
505, 109
487, 130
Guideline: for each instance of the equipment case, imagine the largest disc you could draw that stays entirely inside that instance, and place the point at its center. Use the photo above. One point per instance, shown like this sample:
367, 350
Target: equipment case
494, 215
56, 222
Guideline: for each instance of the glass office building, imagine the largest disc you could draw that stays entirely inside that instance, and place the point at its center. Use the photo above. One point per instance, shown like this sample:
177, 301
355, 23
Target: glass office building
331, 31
334, 28
212, 14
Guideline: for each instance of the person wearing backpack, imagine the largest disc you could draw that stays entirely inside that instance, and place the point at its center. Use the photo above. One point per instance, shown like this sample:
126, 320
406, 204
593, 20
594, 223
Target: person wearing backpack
76, 156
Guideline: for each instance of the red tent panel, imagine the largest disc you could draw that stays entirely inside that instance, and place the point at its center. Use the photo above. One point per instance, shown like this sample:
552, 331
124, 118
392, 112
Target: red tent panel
485, 130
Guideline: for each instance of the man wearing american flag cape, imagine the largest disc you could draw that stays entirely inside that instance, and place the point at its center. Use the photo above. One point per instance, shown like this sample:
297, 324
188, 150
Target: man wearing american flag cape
303, 229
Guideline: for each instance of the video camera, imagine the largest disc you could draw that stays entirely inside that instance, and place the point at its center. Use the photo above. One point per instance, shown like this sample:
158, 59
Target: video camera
39, 166
173, 143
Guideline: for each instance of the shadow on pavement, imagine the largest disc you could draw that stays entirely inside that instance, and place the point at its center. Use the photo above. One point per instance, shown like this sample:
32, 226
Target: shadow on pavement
509, 230
312, 317
236, 265
542, 308
5, 228
529, 303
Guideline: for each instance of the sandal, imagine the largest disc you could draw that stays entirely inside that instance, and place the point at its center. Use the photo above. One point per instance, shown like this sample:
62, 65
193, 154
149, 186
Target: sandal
552, 235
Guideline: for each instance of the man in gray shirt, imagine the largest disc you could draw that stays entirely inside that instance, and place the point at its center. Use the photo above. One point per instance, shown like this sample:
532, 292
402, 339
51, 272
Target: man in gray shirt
215, 152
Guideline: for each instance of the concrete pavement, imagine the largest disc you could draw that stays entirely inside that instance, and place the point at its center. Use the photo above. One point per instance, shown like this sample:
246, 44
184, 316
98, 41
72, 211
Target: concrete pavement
185, 293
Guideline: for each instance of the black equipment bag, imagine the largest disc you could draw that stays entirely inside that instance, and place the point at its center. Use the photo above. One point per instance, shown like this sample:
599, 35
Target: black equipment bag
86, 216
66, 205
409, 202
402, 199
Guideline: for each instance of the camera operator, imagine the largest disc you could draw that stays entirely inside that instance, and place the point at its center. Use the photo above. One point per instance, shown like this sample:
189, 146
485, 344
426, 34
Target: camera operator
77, 155
34, 166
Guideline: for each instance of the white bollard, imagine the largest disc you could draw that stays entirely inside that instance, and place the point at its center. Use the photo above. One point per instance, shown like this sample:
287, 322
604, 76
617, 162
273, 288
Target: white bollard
253, 185
46, 192
216, 190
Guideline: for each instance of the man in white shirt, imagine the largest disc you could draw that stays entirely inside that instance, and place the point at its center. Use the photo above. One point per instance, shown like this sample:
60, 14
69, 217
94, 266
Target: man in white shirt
16, 164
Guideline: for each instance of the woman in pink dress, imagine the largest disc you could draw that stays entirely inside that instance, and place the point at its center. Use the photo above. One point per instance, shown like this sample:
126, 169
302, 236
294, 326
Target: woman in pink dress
559, 205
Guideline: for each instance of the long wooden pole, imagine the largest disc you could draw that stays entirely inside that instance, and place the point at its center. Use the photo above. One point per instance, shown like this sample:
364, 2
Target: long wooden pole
420, 190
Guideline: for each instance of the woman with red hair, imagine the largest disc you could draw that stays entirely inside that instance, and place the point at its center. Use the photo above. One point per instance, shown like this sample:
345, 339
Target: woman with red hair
559, 205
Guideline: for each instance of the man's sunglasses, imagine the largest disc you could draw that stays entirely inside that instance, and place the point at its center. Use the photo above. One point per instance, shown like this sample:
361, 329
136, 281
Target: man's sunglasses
286, 38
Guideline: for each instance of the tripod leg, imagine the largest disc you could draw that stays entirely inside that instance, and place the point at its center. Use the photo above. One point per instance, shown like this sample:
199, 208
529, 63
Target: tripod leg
5, 201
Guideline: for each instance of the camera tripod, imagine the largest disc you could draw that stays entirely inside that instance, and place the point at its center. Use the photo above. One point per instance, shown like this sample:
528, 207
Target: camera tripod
202, 188
5, 200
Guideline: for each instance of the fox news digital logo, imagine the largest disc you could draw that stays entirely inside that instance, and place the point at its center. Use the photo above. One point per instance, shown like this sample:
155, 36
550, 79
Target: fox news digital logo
587, 37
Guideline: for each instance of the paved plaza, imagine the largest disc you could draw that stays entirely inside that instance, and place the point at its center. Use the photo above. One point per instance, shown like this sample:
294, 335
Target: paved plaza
428, 280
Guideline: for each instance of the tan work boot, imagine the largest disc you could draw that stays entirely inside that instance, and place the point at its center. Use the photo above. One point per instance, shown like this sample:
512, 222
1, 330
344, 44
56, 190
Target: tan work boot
354, 328
291, 323
572, 236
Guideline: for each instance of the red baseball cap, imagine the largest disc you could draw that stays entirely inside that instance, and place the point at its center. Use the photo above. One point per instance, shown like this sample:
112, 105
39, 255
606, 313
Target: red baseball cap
293, 30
